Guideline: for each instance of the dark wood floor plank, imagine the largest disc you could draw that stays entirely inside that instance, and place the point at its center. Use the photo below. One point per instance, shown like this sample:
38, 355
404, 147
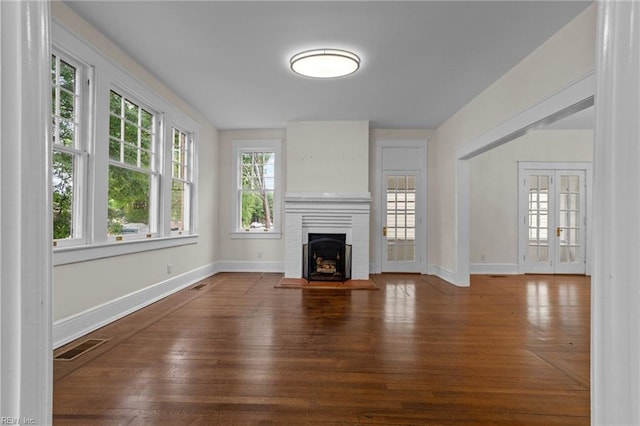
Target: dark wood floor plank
507, 350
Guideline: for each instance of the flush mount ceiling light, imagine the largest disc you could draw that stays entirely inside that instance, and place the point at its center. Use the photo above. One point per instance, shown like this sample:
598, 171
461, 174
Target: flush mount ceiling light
325, 63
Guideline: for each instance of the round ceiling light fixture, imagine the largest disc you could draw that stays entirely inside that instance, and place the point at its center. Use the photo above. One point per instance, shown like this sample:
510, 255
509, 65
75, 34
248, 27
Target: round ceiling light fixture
325, 63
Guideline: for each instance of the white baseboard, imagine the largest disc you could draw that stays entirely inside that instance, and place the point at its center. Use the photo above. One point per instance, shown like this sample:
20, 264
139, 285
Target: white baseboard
494, 268
443, 273
75, 326
249, 266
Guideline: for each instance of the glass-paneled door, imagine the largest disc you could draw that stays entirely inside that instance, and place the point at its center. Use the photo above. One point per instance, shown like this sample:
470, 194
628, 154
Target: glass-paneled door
401, 254
553, 228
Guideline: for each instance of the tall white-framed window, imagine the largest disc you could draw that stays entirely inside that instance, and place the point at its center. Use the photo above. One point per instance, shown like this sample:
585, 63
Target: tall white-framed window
256, 207
133, 187
69, 122
182, 181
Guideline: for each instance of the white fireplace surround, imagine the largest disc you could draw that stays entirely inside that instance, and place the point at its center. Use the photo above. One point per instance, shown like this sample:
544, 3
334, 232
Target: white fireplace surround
327, 213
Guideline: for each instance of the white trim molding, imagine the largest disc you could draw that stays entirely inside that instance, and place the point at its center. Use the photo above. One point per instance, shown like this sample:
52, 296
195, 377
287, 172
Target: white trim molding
443, 273
493, 268
241, 146
75, 254
250, 266
417, 163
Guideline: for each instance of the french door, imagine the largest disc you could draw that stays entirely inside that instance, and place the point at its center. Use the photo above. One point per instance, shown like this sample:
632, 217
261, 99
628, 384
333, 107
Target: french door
553, 221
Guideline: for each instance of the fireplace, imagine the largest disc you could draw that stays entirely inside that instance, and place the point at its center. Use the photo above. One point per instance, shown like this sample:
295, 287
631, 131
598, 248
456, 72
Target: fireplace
327, 213
326, 257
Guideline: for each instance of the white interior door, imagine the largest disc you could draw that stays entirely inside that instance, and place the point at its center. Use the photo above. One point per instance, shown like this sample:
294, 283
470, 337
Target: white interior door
553, 227
400, 196
400, 251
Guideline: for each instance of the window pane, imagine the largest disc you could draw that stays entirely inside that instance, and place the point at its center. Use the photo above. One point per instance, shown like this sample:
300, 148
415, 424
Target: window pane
54, 95
130, 133
258, 170
574, 183
146, 120
53, 69
130, 154
544, 254
63, 103
132, 125
116, 103
67, 105
115, 129
131, 111
543, 182
181, 189
145, 140
145, 159
128, 201
257, 208
67, 78
63, 171
114, 150
179, 197
66, 132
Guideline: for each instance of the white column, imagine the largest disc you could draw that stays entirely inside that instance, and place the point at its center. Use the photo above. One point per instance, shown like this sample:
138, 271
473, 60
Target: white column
462, 278
615, 353
25, 214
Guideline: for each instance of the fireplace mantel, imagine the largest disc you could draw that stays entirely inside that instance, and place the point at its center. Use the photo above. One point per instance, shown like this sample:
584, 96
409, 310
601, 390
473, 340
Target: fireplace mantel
328, 197
329, 212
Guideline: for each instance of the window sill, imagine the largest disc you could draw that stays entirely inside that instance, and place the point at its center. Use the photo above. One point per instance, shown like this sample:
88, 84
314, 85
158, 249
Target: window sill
256, 235
75, 254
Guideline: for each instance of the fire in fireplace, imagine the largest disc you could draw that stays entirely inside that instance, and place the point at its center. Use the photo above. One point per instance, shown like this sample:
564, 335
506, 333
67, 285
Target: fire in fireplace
326, 257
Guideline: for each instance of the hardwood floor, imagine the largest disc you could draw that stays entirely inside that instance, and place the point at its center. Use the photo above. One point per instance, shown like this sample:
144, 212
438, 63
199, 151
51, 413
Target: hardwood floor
507, 350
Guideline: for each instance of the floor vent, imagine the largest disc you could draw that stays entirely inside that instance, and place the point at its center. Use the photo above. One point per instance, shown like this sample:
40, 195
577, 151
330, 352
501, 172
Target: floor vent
79, 349
199, 286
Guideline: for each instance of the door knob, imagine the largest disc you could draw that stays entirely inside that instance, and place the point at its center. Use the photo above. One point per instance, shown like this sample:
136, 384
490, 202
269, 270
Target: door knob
384, 231
558, 231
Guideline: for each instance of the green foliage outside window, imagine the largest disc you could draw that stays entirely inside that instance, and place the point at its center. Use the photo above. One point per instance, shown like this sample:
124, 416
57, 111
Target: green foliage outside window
177, 206
129, 193
130, 138
257, 190
64, 128
62, 195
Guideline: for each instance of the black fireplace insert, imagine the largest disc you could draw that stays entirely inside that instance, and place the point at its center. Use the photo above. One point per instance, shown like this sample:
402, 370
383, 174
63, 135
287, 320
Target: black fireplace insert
326, 257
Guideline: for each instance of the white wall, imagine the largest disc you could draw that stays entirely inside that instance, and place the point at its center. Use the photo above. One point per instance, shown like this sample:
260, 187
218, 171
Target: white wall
243, 254
84, 286
327, 156
268, 254
494, 188
565, 57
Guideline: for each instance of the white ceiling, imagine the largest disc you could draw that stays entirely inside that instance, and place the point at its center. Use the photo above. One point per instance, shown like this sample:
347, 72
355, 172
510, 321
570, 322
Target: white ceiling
421, 60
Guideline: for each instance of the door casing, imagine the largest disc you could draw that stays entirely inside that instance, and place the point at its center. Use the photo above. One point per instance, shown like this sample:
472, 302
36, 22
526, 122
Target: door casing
399, 155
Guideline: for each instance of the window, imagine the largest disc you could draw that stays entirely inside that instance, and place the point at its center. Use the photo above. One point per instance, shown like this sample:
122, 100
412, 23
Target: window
131, 168
257, 206
69, 152
124, 182
181, 181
